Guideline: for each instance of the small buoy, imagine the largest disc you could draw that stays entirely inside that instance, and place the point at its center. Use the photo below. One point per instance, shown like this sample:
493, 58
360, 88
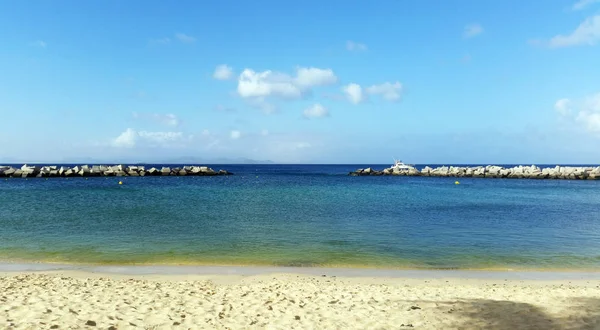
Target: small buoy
456, 182
120, 182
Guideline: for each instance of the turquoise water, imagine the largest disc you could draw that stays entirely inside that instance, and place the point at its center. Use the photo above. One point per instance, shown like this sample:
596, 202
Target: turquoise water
303, 216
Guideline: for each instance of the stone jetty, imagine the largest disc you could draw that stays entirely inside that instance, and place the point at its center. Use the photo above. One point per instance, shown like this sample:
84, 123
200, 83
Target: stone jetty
492, 171
32, 171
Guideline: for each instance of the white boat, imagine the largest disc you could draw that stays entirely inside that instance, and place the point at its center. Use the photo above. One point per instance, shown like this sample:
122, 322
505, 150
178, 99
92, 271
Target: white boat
400, 166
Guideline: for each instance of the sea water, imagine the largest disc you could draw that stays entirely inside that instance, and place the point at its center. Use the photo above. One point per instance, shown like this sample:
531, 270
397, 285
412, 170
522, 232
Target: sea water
303, 215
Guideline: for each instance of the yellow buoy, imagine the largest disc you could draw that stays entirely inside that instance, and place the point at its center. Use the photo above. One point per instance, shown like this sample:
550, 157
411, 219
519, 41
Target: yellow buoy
120, 182
456, 182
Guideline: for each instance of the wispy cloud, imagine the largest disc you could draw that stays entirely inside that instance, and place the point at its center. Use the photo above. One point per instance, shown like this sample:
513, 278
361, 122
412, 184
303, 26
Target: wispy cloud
472, 30
38, 43
181, 37
389, 91
587, 114
563, 107
582, 4
185, 38
356, 94
223, 72
316, 111
131, 138
355, 46
160, 41
168, 119
587, 33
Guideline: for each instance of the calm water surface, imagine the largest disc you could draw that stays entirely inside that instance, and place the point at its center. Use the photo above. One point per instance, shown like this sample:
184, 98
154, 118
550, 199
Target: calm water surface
303, 216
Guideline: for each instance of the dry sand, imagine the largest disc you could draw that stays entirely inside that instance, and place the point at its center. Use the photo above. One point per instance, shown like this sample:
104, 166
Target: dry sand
75, 300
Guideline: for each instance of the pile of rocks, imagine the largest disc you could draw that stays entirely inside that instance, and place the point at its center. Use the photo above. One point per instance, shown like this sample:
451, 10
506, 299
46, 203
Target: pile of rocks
492, 171
27, 171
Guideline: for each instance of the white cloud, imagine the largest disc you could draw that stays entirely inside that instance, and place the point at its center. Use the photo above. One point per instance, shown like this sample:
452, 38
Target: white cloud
588, 114
223, 72
205, 132
390, 92
472, 30
131, 138
267, 83
127, 139
185, 38
312, 77
581, 4
168, 119
316, 111
587, 33
563, 107
264, 132
355, 46
252, 84
590, 120
39, 43
354, 93
234, 135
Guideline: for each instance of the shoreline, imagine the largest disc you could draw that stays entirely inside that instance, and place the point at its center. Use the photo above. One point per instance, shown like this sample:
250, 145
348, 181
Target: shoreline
246, 271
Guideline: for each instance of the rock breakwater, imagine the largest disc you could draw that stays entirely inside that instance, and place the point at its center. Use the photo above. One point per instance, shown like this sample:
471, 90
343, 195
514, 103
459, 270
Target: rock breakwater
492, 171
30, 171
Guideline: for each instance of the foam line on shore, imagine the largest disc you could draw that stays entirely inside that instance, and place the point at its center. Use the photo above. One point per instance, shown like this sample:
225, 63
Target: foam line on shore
309, 271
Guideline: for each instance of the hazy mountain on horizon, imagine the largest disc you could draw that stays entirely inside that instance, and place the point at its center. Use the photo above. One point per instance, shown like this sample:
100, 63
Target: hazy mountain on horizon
177, 160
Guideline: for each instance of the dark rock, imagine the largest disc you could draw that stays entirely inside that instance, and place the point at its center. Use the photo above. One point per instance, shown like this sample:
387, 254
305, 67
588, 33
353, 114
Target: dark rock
90, 323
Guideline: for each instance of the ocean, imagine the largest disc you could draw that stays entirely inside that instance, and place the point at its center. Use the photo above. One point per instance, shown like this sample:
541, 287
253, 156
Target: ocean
303, 216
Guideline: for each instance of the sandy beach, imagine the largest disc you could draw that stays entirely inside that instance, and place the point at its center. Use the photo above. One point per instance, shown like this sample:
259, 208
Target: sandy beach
76, 299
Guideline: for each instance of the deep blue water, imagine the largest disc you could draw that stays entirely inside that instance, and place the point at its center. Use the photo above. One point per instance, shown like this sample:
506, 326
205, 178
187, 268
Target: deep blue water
307, 215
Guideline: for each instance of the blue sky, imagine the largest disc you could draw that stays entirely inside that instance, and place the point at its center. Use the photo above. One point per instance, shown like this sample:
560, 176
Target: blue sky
301, 82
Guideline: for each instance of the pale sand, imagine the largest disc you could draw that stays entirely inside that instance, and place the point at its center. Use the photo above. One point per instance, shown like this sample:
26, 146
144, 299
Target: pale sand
70, 299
